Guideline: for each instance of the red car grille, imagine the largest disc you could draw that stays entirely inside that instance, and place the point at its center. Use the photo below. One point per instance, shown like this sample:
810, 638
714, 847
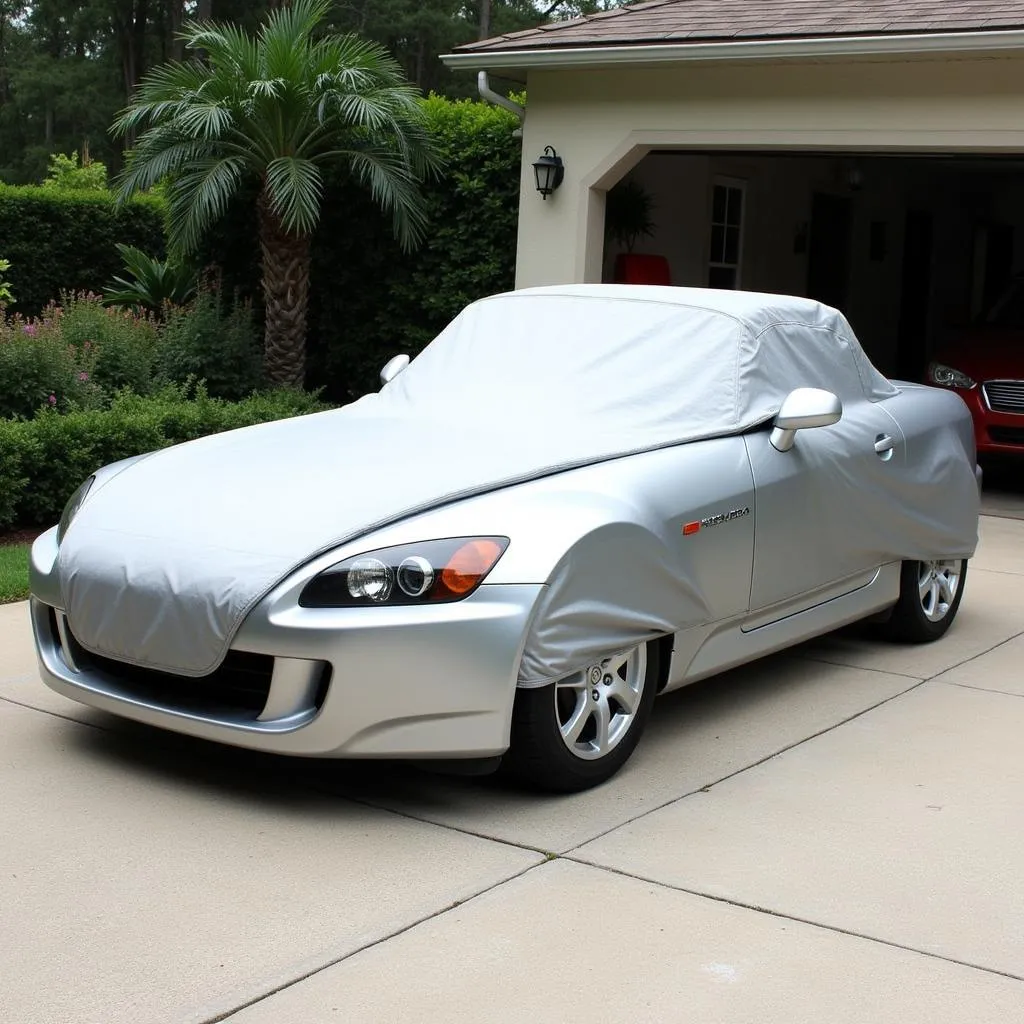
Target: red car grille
1005, 395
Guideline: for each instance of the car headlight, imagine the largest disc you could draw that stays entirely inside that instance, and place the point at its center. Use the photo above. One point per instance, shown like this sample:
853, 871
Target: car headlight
428, 573
947, 377
75, 502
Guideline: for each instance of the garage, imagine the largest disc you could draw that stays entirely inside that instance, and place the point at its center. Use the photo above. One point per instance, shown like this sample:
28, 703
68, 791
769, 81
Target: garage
869, 153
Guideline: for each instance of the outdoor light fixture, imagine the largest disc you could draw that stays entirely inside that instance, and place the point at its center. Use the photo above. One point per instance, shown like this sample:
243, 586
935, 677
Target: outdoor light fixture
549, 172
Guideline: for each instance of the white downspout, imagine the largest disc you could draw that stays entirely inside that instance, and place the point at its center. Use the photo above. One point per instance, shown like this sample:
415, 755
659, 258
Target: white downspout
483, 86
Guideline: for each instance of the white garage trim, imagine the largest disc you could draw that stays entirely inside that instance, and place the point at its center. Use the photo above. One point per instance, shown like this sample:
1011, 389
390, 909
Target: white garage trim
762, 49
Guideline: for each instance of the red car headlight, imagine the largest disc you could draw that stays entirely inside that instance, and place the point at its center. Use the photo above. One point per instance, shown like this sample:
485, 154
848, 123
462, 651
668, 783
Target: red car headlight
947, 377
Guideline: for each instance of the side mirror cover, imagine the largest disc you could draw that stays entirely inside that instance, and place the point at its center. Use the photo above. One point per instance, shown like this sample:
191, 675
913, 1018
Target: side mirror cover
803, 409
393, 367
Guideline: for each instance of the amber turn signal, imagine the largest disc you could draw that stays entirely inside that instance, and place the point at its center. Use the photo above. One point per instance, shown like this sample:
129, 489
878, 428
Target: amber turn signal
469, 564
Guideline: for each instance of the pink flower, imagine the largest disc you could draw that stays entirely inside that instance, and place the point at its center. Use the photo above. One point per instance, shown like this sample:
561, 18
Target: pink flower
83, 376
30, 330
52, 399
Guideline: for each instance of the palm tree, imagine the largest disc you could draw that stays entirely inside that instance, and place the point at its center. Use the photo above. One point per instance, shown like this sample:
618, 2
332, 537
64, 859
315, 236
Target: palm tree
274, 110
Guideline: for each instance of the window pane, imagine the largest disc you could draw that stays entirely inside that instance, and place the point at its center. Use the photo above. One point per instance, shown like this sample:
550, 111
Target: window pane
732, 246
718, 244
720, 201
734, 208
722, 277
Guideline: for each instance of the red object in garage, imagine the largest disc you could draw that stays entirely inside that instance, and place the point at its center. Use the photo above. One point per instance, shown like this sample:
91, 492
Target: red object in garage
985, 366
641, 268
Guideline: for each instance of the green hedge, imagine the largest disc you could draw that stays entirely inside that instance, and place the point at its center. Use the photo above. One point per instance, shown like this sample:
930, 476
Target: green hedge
369, 300
64, 241
43, 460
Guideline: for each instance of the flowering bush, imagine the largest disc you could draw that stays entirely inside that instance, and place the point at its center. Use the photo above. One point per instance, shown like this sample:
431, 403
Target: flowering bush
39, 369
123, 344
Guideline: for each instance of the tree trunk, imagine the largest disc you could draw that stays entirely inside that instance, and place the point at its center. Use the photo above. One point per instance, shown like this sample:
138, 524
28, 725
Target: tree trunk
176, 17
485, 19
285, 265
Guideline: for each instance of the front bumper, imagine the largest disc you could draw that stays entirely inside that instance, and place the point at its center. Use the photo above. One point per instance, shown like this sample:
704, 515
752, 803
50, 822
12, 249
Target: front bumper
403, 682
995, 432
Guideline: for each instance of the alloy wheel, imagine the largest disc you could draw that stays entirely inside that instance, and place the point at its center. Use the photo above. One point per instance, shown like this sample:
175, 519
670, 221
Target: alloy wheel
596, 706
937, 585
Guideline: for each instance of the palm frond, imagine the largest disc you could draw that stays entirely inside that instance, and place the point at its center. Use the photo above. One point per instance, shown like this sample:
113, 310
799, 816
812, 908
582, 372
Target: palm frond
198, 197
395, 189
295, 189
149, 164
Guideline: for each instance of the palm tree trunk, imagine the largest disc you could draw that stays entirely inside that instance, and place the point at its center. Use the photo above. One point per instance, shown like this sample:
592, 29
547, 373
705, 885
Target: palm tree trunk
286, 293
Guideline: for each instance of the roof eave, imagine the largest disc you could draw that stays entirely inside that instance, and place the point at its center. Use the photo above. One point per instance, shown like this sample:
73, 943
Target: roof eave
756, 49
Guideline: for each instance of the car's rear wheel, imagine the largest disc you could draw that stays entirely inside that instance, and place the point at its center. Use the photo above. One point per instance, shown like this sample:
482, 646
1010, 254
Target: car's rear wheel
579, 731
930, 594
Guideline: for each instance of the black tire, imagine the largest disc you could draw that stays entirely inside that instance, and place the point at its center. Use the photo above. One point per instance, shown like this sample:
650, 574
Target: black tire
540, 758
910, 622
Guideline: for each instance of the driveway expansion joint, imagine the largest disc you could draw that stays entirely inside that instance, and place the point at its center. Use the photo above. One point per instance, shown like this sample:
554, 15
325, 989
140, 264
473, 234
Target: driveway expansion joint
978, 689
781, 915
298, 979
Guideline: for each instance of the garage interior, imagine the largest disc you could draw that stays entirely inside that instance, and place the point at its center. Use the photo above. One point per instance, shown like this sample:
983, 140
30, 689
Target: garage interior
914, 249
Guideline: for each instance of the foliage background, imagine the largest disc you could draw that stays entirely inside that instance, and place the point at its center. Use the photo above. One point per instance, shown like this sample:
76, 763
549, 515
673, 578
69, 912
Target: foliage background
67, 66
61, 240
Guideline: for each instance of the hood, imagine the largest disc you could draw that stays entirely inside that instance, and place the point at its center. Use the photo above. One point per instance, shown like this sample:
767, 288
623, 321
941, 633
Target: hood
164, 560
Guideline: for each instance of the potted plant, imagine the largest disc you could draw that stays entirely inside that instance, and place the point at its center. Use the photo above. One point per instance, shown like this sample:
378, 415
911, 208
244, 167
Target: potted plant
628, 218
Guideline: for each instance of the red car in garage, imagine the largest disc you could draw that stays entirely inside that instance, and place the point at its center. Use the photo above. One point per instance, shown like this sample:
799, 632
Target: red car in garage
985, 366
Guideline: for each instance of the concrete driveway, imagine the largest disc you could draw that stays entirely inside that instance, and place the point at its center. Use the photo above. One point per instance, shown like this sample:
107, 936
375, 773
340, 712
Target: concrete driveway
834, 835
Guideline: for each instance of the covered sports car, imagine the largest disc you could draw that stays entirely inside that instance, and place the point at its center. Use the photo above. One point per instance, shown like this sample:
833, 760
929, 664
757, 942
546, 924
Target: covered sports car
574, 498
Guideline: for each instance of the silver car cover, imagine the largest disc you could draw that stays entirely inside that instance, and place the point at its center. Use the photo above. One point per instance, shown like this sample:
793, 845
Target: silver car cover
163, 561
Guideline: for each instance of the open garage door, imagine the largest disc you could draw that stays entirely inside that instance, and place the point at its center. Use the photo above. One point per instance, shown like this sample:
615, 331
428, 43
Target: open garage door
924, 254
918, 251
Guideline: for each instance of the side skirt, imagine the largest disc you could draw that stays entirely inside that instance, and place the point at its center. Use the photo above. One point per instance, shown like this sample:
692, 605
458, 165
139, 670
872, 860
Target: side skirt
707, 650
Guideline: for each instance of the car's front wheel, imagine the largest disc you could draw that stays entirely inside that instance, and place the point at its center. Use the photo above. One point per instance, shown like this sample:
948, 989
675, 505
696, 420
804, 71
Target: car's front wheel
930, 594
579, 731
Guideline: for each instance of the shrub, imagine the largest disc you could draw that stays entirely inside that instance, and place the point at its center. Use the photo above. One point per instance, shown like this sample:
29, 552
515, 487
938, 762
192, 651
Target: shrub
39, 369
212, 343
43, 460
65, 173
59, 240
123, 344
73, 356
151, 284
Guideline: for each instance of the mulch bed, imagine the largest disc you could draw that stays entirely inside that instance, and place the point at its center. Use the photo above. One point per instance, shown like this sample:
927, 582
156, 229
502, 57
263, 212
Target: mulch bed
19, 536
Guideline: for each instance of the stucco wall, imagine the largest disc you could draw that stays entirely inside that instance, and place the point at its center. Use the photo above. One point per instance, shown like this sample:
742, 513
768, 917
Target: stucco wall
603, 122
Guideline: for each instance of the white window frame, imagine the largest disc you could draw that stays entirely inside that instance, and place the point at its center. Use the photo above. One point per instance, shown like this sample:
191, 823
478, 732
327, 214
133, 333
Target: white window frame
739, 185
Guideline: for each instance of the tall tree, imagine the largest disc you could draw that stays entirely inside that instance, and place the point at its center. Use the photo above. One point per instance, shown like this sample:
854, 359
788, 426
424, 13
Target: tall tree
275, 108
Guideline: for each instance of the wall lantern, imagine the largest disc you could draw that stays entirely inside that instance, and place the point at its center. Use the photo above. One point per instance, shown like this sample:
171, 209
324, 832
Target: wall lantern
548, 171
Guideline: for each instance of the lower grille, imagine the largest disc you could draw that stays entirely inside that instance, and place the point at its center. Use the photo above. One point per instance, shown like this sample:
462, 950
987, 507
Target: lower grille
1006, 435
1005, 395
240, 683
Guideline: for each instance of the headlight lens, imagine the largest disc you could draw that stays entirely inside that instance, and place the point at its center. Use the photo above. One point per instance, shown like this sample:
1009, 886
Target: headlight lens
428, 573
947, 377
71, 508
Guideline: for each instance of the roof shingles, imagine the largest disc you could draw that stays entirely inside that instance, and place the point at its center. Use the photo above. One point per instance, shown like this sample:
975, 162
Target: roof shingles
720, 20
